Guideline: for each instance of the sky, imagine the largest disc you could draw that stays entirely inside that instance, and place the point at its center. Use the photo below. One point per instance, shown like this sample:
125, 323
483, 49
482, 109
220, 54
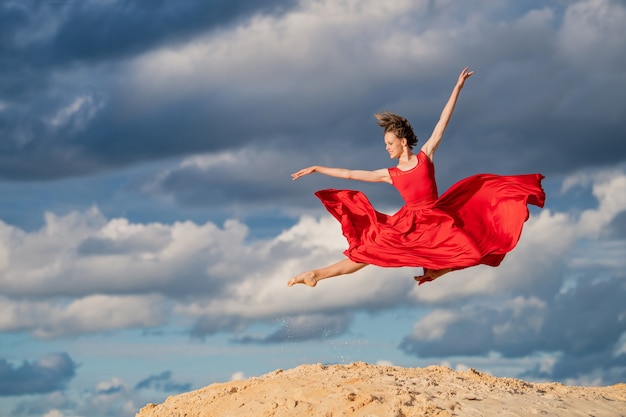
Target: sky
149, 224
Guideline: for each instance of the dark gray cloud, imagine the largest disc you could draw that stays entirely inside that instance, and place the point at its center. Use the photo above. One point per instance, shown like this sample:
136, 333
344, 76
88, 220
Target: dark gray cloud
257, 179
45, 375
53, 52
253, 182
40, 405
163, 382
292, 329
303, 328
527, 109
40, 34
617, 228
207, 326
533, 105
601, 362
584, 324
587, 319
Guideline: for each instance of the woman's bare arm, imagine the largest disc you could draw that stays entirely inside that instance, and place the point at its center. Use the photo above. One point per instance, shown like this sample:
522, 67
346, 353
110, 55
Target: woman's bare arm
433, 142
379, 175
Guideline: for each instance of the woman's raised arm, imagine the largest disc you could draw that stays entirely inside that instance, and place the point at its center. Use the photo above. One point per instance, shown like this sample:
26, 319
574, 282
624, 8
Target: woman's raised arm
433, 142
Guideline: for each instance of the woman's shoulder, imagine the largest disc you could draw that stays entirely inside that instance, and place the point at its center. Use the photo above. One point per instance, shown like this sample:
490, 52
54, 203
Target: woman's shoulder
423, 156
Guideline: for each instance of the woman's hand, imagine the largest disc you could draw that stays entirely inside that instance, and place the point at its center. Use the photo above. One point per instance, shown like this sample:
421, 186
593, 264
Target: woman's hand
465, 74
303, 172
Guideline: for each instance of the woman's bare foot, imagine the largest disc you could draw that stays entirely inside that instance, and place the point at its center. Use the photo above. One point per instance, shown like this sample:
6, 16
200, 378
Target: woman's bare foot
307, 278
431, 275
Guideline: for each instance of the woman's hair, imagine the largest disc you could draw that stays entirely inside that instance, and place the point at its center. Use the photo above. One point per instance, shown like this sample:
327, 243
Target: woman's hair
399, 125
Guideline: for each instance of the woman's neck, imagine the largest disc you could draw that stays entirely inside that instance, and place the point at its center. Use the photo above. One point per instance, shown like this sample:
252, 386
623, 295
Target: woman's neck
406, 160
406, 156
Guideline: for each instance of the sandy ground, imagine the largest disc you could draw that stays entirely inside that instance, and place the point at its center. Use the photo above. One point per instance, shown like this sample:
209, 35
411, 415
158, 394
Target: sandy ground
360, 389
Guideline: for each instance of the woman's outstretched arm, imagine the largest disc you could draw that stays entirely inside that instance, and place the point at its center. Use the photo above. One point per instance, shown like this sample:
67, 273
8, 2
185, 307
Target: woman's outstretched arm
433, 142
379, 175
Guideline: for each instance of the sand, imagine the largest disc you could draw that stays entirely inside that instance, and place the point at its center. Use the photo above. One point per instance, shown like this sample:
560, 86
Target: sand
365, 390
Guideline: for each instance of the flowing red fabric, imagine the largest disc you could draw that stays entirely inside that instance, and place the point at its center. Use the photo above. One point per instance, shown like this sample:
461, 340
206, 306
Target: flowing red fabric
477, 221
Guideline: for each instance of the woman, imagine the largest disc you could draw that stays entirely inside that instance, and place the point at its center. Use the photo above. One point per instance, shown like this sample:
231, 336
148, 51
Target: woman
477, 221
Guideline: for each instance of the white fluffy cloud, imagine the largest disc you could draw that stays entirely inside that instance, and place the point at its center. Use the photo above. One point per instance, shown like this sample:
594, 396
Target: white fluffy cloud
319, 36
91, 314
305, 44
590, 29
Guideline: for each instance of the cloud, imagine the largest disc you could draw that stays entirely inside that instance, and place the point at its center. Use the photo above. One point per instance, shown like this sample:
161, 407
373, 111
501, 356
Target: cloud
41, 405
162, 382
177, 259
92, 314
111, 397
209, 325
589, 29
82, 273
617, 228
59, 29
493, 114
522, 326
50, 373
211, 79
302, 328
231, 180
112, 387
237, 376
249, 183
64, 52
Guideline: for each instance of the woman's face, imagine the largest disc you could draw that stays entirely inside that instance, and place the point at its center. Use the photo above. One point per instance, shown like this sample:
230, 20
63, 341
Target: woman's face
394, 145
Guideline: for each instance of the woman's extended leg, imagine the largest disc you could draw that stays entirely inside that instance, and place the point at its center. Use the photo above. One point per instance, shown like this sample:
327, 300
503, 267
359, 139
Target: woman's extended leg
311, 278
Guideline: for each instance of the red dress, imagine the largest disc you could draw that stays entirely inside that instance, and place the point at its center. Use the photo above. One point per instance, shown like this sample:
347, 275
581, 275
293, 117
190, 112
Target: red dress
477, 221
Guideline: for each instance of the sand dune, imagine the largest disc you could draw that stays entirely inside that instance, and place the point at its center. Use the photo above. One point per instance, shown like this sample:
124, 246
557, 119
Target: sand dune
360, 389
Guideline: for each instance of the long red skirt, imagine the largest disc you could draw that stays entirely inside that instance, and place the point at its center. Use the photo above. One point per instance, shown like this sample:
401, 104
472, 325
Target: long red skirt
477, 221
